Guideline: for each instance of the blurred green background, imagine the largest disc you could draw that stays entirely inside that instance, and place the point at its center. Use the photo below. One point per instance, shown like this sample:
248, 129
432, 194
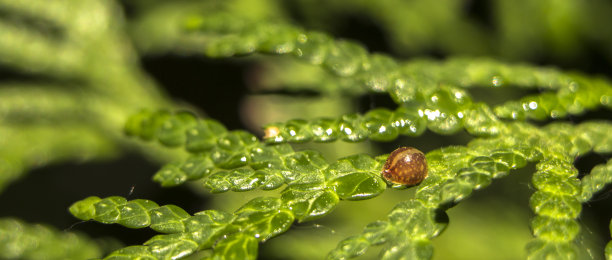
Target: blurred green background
247, 92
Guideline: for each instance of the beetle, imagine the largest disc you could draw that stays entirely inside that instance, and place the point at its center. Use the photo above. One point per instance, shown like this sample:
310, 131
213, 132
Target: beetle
406, 166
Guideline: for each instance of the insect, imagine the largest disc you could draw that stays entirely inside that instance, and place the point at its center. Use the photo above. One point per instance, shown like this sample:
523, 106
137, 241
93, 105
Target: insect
405, 165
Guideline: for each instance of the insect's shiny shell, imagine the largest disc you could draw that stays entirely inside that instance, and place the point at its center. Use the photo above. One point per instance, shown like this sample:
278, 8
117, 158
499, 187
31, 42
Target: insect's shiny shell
405, 165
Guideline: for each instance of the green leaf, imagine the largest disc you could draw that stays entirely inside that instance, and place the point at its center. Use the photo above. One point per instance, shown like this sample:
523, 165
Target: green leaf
132, 252
600, 176
266, 157
481, 121
84, 209
512, 159
242, 179
378, 232
298, 131
553, 183
351, 128
207, 226
309, 201
414, 218
325, 130
345, 58
270, 179
541, 249
150, 125
170, 175
283, 39
203, 136
304, 167
350, 247
355, 177
379, 71
263, 218
455, 191
108, 209
358, 186
412, 249
20, 240
172, 131
135, 214
172, 246
168, 219
197, 167
236, 246
232, 150
555, 206
487, 165
378, 123
552, 229
474, 178
313, 47
134, 123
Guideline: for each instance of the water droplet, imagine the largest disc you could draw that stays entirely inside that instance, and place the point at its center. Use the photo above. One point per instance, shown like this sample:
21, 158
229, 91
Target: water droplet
533, 105
382, 129
497, 81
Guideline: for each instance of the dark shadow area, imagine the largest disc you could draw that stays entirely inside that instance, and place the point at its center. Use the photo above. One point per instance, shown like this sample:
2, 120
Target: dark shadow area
599, 113
352, 25
214, 86
595, 218
302, 93
364, 30
596, 213
516, 187
585, 163
10, 75
480, 11
427, 142
371, 101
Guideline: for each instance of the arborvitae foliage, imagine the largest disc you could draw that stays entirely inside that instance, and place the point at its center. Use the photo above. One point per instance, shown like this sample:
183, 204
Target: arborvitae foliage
82, 95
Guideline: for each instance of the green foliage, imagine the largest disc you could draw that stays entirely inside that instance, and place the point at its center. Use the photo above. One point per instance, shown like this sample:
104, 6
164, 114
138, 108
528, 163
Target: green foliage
21, 240
91, 105
231, 235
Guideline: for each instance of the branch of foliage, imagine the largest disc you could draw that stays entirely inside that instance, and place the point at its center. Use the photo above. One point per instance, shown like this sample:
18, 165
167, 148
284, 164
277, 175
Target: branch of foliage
231, 236
236, 160
455, 172
21, 240
600, 176
382, 124
417, 82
